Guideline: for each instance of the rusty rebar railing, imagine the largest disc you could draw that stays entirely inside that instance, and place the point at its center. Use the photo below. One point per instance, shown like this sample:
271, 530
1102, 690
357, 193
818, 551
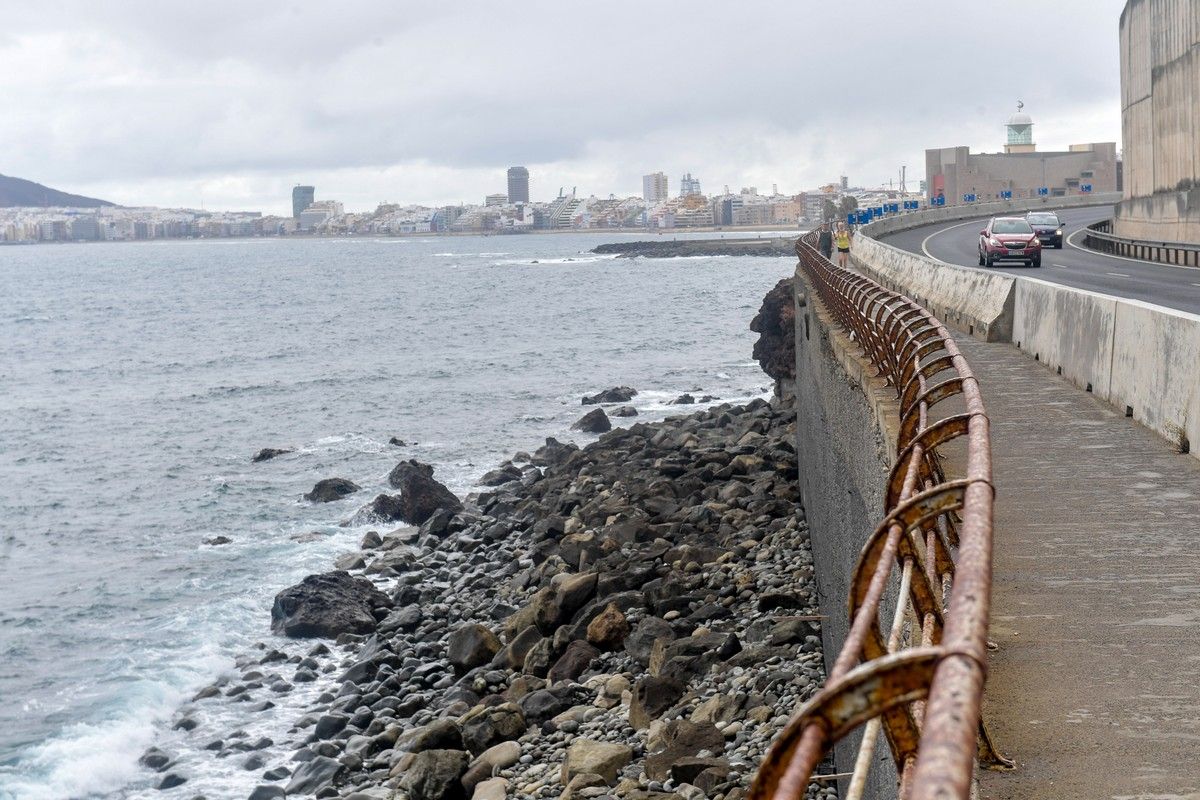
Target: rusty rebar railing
923, 689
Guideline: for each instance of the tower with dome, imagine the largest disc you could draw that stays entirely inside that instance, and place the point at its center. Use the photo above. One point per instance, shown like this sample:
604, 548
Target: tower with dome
1020, 132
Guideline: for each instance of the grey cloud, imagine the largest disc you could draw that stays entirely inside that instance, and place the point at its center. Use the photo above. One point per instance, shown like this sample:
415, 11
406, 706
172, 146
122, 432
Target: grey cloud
227, 89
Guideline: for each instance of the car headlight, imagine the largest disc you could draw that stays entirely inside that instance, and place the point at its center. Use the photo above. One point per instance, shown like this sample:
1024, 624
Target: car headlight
1058, 232
995, 243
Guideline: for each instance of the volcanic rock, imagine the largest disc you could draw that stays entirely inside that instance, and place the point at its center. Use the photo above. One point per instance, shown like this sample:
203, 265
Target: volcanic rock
617, 394
436, 774
775, 325
267, 453
472, 646
420, 495
330, 489
327, 605
595, 421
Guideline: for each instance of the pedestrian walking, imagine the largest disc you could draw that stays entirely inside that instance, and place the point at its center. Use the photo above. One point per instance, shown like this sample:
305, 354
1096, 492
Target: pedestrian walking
843, 244
825, 241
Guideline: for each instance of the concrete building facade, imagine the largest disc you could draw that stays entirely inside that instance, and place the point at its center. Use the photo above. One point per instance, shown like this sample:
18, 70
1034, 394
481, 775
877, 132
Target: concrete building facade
1022, 169
655, 188
518, 185
1160, 121
302, 198
689, 186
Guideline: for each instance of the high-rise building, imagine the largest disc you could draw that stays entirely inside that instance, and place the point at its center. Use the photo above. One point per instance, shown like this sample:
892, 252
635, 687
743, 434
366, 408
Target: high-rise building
518, 185
689, 186
655, 188
495, 199
302, 198
844, 182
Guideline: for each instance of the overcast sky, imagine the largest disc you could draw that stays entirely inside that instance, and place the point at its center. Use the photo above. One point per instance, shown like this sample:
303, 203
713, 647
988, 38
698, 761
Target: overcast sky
227, 103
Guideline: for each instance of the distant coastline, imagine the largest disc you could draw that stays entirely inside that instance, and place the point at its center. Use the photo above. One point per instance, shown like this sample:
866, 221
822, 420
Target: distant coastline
659, 233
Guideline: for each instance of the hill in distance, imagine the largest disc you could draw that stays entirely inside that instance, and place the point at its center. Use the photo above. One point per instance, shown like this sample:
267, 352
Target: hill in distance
20, 192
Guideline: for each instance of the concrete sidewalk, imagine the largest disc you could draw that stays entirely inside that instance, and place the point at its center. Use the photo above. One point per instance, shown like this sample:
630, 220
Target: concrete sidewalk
1095, 690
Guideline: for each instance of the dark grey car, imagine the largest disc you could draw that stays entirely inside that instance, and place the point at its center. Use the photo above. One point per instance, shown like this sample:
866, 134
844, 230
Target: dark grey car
1048, 227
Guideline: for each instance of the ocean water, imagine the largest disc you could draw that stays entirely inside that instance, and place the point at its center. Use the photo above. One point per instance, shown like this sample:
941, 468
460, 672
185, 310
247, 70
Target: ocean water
137, 380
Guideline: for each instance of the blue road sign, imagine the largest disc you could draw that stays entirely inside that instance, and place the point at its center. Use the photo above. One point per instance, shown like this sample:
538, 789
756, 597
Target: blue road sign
968, 198
1085, 187
941, 200
864, 217
1006, 194
1043, 191
850, 218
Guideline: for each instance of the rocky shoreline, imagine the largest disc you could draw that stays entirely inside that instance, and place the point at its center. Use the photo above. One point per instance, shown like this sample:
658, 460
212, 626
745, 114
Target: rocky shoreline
779, 247
636, 619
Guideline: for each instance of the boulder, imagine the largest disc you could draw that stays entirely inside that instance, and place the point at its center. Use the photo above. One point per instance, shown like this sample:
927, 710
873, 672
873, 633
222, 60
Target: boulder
617, 394
624, 411
484, 726
543, 704
267, 453
641, 640
775, 324
605, 759
688, 770
595, 421
608, 629
171, 780
331, 489
436, 775
155, 759
327, 605
553, 452
313, 775
682, 740
513, 654
218, 540
267, 791
500, 476
651, 698
691, 656
491, 789
683, 400
573, 662
441, 734
420, 495
471, 646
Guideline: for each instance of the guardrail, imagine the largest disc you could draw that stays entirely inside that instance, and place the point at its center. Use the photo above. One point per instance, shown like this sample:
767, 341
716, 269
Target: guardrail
922, 686
1099, 236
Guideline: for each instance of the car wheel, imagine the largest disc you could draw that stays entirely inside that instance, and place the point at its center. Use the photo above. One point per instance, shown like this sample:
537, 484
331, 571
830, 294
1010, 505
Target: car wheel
1035, 262
981, 259
989, 262
1058, 246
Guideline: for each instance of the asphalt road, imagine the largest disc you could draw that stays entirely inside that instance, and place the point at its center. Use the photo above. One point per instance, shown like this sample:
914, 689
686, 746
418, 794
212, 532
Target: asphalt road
1161, 284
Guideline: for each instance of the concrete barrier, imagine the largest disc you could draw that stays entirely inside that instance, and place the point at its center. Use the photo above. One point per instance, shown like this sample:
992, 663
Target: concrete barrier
1141, 358
1138, 357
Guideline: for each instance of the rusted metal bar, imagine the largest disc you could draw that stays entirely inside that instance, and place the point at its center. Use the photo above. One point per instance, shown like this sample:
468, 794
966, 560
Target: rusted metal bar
925, 699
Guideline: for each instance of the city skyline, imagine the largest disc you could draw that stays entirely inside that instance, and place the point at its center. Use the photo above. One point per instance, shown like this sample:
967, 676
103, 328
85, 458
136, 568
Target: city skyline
768, 113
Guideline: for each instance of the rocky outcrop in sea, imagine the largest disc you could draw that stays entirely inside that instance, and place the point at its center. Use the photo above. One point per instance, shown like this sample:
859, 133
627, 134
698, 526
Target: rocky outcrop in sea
781, 247
635, 619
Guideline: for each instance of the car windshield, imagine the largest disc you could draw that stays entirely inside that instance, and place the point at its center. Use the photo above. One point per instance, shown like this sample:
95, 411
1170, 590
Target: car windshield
1042, 219
1011, 226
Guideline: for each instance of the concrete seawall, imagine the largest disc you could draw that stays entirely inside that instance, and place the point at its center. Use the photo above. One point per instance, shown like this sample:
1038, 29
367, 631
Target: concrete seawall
1140, 358
846, 425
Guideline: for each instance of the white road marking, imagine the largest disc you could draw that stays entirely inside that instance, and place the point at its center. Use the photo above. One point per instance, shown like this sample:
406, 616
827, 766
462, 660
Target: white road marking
1119, 258
925, 241
1117, 274
1060, 266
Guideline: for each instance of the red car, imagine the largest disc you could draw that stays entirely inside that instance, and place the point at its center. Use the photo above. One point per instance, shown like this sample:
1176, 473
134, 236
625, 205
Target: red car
1009, 239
